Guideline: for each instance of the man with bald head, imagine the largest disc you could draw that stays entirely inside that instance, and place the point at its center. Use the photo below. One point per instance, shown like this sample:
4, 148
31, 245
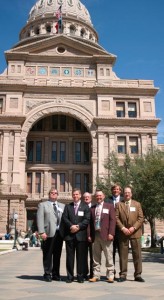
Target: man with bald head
87, 197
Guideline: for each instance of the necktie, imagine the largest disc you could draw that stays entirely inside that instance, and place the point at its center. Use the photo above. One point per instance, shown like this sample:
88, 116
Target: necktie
127, 206
75, 208
97, 217
56, 213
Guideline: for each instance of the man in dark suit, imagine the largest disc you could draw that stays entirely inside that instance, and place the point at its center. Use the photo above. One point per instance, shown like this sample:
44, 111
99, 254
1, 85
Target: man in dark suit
76, 217
129, 217
115, 198
102, 231
48, 220
89, 269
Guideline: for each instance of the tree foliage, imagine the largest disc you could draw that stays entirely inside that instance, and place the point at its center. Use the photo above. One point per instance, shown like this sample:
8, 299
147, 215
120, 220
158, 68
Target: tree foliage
145, 174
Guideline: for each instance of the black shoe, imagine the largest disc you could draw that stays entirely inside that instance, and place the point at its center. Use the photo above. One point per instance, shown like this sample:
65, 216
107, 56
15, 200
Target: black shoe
69, 280
56, 278
139, 279
47, 277
86, 278
80, 281
121, 279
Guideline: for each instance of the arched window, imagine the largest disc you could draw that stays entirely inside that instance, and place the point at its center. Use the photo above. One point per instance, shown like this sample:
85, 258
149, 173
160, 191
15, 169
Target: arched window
48, 28
82, 32
37, 30
72, 29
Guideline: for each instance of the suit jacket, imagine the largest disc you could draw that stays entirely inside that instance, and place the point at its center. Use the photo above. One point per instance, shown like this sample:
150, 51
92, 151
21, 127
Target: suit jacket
110, 199
107, 221
134, 218
69, 218
46, 218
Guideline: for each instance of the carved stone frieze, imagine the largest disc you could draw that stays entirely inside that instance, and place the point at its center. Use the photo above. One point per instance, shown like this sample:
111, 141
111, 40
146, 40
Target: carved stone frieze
89, 105
31, 104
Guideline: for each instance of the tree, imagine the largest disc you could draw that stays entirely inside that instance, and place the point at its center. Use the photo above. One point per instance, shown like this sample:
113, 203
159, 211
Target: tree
145, 174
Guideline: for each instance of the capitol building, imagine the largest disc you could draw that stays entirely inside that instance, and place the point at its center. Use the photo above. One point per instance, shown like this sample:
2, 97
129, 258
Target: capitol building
63, 110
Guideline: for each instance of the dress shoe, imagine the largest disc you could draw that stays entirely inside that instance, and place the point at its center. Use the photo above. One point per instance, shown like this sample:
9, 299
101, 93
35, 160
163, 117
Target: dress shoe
47, 277
69, 280
110, 280
139, 279
121, 279
94, 279
56, 278
80, 280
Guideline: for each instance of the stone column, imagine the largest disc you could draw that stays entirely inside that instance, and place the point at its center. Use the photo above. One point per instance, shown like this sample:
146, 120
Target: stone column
143, 143
4, 171
16, 174
100, 154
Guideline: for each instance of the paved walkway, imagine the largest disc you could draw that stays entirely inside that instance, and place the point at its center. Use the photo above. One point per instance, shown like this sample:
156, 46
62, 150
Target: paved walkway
21, 279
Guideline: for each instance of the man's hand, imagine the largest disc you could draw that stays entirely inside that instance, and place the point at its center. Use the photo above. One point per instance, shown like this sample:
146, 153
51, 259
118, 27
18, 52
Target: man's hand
131, 229
43, 236
110, 237
74, 228
126, 231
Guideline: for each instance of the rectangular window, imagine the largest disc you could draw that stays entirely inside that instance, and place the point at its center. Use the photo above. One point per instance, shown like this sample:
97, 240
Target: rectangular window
77, 152
29, 183
120, 109
78, 180
30, 150
107, 72
54, 152
133, 144
1, 106
54, 180
38, 183
132, 111
101, 72
121, 145
62, 151
38, 151
86, 182
62, 182
86, 152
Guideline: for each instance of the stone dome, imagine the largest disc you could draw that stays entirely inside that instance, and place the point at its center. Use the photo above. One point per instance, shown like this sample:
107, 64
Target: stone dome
72, 8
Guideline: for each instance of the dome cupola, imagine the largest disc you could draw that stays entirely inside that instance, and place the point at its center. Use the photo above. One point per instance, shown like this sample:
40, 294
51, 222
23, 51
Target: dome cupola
76, 21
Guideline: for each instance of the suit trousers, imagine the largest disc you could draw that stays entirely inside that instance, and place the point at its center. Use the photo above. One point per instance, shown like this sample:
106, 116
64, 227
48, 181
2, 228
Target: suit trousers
52, 249
80, 248
100, 245
136, 254
89, 261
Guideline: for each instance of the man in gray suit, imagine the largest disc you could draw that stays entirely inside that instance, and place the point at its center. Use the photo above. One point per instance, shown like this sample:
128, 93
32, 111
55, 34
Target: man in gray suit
48, 220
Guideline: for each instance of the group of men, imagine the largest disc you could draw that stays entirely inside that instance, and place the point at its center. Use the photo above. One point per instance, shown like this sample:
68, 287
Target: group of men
107, 225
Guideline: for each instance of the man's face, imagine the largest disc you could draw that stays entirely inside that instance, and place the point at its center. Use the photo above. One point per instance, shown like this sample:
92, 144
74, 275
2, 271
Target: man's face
87, 198
116, 191
127, 194
53, 195
99, 197
76, 196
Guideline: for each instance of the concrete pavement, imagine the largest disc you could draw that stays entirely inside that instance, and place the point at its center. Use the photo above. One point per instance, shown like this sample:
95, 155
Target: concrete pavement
21, 279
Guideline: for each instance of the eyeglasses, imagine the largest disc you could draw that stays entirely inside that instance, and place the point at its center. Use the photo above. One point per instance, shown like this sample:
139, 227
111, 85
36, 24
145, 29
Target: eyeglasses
53, 193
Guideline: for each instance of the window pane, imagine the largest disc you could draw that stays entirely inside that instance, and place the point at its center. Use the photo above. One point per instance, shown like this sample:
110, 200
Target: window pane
78, 152
132, 113
54, 180
121, 144
86, 152
62, 151
86, 182
133, 144
54, 151
120, 109
62, 182
38, 151
55, 122
63, 122
29, 183
38, 183
78, 180
30, 151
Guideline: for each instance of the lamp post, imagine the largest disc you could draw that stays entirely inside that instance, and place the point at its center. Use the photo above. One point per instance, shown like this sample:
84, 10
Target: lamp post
15, 233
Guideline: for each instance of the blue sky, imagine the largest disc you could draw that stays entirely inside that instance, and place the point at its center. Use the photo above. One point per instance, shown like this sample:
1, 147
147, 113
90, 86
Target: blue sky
132, 30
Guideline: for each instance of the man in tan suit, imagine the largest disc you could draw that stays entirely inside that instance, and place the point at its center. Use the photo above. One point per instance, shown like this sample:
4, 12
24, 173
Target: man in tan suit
129, 218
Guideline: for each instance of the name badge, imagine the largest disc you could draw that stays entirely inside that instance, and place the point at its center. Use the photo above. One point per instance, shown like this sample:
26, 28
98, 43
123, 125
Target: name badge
80, 213
60, 209
132, 208
105, 211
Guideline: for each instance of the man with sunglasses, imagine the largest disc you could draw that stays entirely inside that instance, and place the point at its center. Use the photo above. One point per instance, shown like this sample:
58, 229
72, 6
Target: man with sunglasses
48, 220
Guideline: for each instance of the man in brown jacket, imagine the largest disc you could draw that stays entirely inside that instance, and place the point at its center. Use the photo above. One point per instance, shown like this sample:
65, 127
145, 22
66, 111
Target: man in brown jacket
129, 218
